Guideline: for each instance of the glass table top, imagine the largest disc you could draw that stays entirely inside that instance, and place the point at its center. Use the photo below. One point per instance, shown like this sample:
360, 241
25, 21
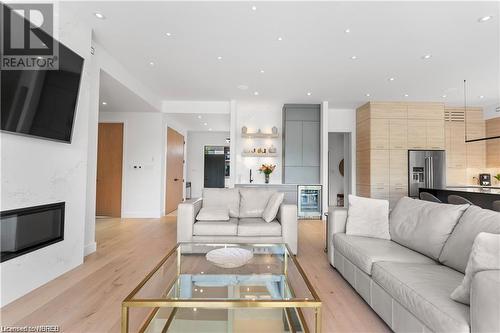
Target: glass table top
185, 290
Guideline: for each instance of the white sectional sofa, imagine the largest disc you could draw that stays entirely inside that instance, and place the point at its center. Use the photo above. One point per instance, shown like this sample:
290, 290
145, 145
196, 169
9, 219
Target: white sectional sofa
245, 225
408, 282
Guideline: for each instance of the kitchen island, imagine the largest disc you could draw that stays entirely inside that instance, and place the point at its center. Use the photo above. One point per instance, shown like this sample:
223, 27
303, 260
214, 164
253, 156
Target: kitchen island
479, 196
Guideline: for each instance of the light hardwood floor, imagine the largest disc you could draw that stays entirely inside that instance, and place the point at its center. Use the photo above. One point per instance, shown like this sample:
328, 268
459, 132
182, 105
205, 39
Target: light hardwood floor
88, 298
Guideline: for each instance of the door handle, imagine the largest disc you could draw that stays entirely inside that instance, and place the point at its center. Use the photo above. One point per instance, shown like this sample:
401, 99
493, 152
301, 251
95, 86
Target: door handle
176, 179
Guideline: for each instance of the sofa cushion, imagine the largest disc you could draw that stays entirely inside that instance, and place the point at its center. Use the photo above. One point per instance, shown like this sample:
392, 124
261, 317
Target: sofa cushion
216, 228
273, 206
213, 214
365, 251
254, 201
368, 217
256, 226
423, 226
223, 198
424, 290
457, 249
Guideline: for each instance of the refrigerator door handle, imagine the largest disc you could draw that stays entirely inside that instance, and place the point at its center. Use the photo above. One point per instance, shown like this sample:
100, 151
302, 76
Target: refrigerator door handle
426, 172
431, 172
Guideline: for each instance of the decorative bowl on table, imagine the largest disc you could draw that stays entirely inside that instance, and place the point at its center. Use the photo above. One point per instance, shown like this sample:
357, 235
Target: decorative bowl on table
229, 257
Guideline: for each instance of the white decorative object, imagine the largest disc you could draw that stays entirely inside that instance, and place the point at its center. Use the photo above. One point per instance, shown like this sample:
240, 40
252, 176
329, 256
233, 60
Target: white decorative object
229, 257
368, 217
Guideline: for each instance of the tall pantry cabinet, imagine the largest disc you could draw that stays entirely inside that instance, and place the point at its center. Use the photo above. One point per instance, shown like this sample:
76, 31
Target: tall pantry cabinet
385, 133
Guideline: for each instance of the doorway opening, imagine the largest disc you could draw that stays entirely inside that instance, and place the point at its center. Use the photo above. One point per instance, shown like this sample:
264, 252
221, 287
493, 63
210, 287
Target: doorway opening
339, 168
109, 169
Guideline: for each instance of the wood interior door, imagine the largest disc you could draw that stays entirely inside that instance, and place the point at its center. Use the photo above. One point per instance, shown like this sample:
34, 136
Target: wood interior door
109, 169
175, 170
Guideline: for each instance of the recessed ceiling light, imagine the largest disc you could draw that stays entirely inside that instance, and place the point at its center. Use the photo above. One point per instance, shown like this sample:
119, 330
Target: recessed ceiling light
99, 16
169, 34
406, 95
391, 79
427, 56
199, 116
209, 129
481, 96
151, 63
262, 71
444, 96
367, 95
205, 124
354, 57
347, 31
219, 58
104, 103
254, 8
309, 93
195, 309
484, 19
256, 93
280, 39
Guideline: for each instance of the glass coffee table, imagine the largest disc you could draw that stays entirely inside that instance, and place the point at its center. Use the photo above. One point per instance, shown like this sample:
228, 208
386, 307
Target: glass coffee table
187, 293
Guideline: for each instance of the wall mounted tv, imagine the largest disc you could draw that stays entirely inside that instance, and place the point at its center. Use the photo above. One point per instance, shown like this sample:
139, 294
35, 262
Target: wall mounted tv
42, 103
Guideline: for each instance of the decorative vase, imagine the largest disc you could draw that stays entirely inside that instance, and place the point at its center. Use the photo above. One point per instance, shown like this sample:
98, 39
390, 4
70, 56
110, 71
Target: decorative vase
266, 178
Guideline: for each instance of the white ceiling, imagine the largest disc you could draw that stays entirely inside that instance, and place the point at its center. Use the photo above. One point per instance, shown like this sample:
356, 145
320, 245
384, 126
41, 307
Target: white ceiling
216, 122
119, 98
388, 38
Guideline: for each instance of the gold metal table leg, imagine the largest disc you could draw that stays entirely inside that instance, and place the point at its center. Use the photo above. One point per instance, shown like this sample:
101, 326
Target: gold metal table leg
124, 319
317, 315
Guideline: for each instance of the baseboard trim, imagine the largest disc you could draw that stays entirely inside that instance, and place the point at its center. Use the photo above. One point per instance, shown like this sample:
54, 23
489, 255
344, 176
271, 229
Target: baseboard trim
89, 248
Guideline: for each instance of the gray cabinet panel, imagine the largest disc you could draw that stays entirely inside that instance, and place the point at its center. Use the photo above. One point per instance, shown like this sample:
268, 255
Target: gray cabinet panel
310, 143
293, 143
302, 112
301, 175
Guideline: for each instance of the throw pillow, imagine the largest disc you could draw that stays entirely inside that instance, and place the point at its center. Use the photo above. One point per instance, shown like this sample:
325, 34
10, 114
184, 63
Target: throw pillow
485, 255
273, 206
368, 217
213, 214
253, 201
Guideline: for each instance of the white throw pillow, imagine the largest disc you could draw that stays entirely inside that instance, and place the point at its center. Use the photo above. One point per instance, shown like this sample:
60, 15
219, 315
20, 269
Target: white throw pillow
368, 217
273, 205
485, 255
213, 214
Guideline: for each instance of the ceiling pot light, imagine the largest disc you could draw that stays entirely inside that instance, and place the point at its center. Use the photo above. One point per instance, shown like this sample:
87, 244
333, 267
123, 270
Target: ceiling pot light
151, 63
205, 124
309, 93
254, 8
256, 93
219, 58
104, 103
199, 116
347, 31
262, 71
209, 129
280, 39
354, 57
485, 18
391, 79
406, 95
481, 97
367, 95
444, 96
169, 34
99, 16
427, 56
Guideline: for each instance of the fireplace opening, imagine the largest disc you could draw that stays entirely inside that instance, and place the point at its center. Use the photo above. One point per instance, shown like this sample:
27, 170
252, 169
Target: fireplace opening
28, 229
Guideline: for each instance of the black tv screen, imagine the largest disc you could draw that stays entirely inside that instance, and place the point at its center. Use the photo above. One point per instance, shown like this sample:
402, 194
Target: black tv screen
42, 103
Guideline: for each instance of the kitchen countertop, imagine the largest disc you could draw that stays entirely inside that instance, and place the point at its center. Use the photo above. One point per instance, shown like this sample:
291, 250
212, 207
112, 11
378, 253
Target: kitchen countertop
474, 189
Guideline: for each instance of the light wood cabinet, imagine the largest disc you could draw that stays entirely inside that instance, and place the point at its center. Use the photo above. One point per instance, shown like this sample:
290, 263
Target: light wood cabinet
427, 111
435, 134
493, 146
379, 167
398, 134
417, 134
388, 110
379, 133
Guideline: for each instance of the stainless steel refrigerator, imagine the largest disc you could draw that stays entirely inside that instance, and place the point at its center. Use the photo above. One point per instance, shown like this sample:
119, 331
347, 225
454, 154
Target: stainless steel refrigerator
426, 168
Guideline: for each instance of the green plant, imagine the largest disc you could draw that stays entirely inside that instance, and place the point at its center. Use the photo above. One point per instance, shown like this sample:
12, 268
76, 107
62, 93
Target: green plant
497, 177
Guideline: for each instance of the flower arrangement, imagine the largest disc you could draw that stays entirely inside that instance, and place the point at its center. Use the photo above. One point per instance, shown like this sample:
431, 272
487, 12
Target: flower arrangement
267, 169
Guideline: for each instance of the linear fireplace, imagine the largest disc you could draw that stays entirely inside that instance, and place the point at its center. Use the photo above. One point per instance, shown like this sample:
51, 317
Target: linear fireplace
28, 229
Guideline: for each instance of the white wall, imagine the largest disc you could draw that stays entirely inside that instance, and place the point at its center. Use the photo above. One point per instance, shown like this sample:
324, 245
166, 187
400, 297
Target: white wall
36, 171
336, 154
255, 115
196, 142
142, 145
344, 120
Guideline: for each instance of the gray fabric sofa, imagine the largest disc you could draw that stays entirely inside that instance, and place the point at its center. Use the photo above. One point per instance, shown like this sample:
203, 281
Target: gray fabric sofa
245, 225
411, 291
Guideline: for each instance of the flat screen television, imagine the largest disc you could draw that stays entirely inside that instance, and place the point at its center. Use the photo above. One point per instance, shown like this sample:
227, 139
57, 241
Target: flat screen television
42, 103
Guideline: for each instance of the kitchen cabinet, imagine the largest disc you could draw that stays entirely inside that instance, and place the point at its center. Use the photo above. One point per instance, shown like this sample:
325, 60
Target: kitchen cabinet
435, 134
426, 111
398, 133
493, 146
417, 134
379, 133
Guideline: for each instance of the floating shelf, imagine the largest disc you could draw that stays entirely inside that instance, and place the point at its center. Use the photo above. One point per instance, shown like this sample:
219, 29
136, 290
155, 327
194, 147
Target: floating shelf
259, 154
260, 135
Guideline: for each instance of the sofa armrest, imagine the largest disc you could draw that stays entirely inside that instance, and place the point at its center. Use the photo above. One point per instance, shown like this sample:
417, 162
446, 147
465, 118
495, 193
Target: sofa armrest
337, 219
287, 216
186, 217
485, 302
